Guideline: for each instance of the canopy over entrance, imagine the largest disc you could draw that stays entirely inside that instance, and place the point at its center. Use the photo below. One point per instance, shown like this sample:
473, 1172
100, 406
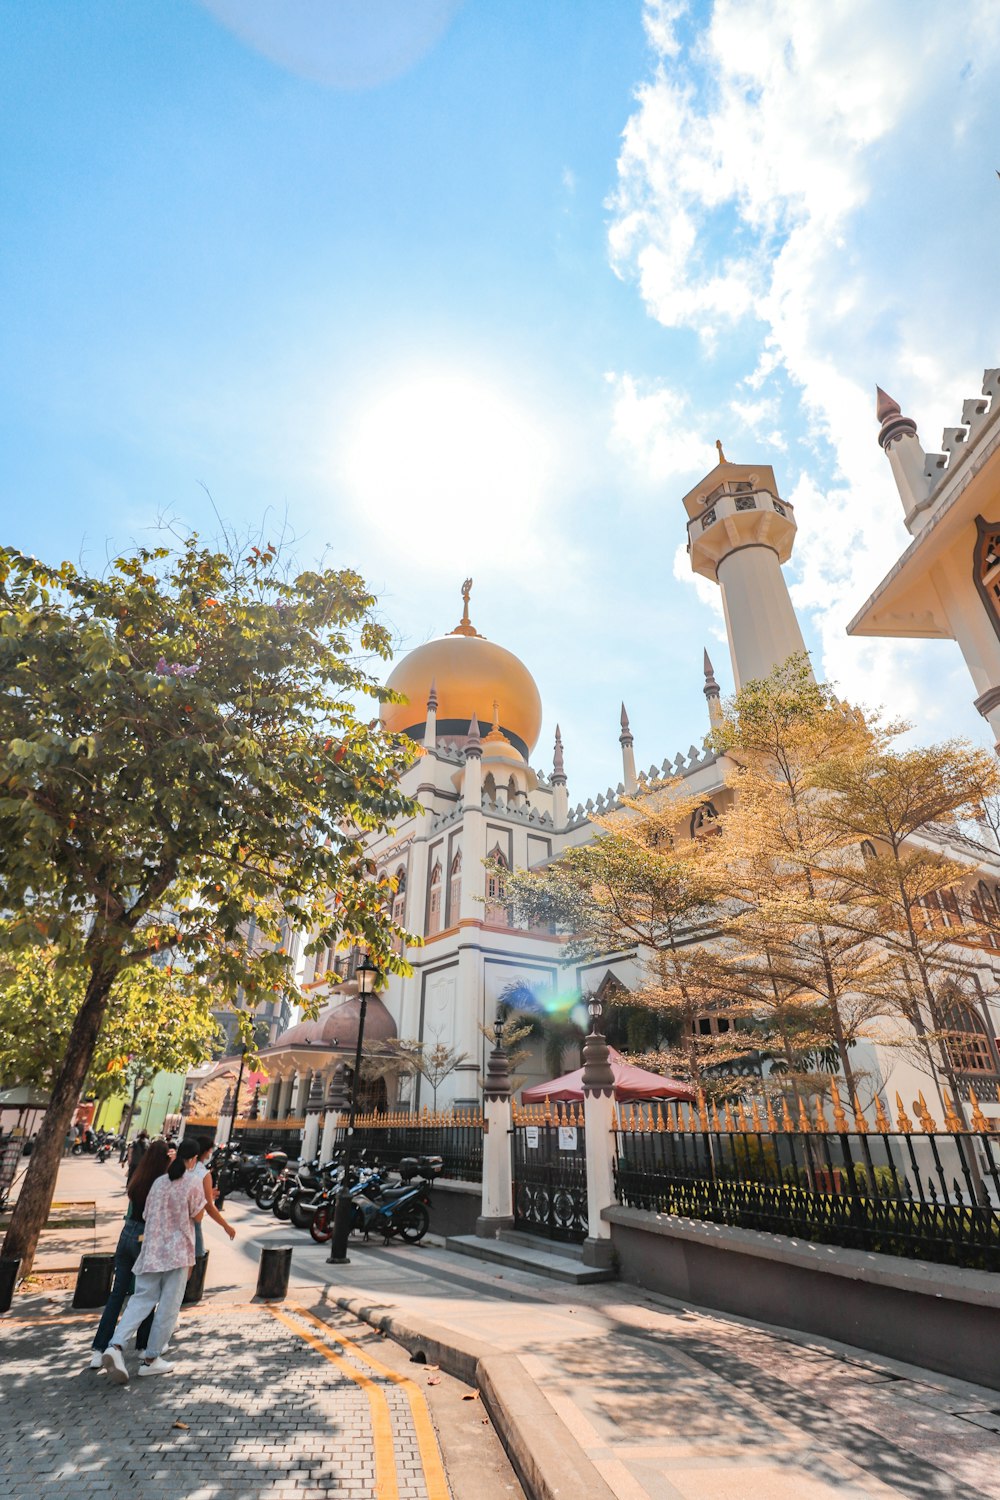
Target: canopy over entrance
630, 1083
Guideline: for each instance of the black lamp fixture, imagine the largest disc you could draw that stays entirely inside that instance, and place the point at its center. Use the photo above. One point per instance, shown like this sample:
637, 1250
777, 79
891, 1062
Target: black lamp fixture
367, 976
498, 1026
595, 1010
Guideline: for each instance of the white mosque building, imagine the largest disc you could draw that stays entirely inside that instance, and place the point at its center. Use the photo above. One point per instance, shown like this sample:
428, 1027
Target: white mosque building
475, 711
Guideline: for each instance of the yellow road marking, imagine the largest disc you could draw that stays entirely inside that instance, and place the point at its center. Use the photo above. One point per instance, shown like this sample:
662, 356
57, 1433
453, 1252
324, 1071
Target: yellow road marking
430, 1457
386, 1486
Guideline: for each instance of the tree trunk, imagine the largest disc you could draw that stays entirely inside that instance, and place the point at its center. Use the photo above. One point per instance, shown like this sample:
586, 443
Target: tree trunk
38, 1187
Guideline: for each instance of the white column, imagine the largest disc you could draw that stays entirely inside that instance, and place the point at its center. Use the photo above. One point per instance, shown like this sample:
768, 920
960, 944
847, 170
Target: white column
598, 1115
310, 1136
498, 1182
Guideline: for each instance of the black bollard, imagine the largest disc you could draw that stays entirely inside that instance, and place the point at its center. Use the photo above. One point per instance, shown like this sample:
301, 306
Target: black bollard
195, 1289
9, 1270
275, 1268
93, 1280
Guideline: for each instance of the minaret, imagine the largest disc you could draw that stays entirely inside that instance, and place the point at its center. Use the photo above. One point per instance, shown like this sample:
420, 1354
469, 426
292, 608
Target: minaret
560, 796
629, 779
739, 534
898, 439
430, 727
473, 826
712, 694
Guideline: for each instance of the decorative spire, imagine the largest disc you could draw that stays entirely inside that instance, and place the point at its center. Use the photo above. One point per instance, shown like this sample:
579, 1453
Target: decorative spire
337, 1096
722, 457
629, 779
474, 740
894, 424
712, 689
496, 734
432, 697
558, 768
314, 1102
465, 627
497, 1081
626, 734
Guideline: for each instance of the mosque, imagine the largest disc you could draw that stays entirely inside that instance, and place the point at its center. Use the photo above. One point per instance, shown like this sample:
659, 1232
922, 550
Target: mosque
474, 710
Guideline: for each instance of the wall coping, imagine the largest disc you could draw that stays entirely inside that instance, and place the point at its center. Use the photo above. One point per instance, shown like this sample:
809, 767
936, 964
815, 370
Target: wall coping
954, 1283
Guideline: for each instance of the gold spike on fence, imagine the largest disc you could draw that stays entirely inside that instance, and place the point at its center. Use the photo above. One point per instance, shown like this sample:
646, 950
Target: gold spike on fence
821, 1124
881, 1118
923, 1113
741, 1117
702, 1110
903, 1121
979, 1120
860, 1123
772, 1123
804, 1125
951, 1120
839, 1118
728, 1116
755, 1119
787, 1124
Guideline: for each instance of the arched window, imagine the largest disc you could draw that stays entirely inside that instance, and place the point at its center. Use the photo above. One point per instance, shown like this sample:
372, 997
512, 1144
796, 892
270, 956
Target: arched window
868, 852
489, 787
455, 890
704, 820
967, 1039
496, 910
399, 899
512, 793
434, 903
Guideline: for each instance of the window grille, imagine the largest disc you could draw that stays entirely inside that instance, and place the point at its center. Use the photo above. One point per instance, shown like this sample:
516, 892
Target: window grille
746, 502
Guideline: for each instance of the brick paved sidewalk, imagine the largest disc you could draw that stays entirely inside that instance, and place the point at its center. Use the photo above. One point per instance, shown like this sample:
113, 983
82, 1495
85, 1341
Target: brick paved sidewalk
275, 1409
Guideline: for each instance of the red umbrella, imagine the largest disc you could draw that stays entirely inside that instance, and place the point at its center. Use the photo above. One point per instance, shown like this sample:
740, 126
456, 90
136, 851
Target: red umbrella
630, 1083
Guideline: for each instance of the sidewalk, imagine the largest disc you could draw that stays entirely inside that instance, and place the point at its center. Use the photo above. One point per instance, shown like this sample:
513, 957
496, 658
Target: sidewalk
608, 1391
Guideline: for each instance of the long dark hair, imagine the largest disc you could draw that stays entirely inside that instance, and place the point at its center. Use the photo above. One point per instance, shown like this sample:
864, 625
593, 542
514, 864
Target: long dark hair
185, 1151
155, 1162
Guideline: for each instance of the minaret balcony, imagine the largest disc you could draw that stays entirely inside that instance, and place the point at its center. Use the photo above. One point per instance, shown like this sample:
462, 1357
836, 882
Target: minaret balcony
739, 515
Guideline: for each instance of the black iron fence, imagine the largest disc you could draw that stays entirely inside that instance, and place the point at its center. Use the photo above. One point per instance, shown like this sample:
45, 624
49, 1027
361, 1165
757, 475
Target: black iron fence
924, 1194
550, 1172
456, 1135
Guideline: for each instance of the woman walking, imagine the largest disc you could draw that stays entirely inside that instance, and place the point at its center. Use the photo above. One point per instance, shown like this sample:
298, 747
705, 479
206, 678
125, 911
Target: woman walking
175, 1203
152, 1166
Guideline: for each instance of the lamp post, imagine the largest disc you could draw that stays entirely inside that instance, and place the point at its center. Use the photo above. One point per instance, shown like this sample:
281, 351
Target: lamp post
367, 974
236, 1102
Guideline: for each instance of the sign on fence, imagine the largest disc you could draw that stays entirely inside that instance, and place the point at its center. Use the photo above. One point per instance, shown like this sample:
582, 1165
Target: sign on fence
531, 1137
567, 1137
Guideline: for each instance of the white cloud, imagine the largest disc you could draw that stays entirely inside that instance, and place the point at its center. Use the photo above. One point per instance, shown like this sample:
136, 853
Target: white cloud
654, 428
804, 187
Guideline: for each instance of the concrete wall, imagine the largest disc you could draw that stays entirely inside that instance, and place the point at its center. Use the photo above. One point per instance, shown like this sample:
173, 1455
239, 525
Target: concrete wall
941, 1317
455, 1207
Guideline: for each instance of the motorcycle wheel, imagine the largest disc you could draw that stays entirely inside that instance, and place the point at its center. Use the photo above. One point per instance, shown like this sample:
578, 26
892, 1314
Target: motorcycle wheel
321, 1226
283, 1207
302, 1214
412, 1223
265, 1195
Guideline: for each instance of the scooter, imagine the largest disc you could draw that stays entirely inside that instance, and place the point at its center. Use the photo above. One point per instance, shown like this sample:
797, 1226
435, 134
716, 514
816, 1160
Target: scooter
405, 1210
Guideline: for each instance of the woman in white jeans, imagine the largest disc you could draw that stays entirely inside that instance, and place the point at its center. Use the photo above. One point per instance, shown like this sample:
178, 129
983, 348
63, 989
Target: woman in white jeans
175, 1204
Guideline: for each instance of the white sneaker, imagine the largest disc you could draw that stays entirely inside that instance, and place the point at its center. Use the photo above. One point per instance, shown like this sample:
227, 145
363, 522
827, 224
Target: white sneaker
113, 1362
96, 1360
156, 1366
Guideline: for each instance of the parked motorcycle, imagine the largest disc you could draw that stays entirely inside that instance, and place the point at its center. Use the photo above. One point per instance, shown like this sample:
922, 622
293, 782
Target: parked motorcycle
271, 1182
391, 1209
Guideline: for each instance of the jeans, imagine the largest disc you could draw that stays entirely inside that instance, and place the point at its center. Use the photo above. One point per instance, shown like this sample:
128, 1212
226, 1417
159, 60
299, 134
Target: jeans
163, 1290
126, 1255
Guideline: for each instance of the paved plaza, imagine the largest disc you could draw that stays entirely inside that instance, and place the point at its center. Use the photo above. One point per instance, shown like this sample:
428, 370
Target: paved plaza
666, 1402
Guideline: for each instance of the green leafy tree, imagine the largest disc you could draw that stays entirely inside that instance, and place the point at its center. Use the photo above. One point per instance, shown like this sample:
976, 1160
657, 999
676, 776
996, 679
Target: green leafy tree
158, 1020
180, 752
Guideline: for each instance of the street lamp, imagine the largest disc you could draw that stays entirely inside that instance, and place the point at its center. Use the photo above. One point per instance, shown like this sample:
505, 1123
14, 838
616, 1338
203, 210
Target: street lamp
367, 975
594, 1010
236, 1102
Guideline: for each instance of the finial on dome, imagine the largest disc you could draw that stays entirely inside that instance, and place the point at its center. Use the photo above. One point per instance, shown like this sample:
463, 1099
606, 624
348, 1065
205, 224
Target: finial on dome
626, 734
558, 767
722, 457
496, 716
432, 696
465, 626
894, 424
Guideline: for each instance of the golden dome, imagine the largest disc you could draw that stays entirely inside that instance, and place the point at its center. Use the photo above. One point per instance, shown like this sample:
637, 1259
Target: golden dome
470, 674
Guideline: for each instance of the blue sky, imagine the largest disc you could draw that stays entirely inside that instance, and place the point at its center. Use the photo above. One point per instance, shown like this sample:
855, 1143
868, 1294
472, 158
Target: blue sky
488, 313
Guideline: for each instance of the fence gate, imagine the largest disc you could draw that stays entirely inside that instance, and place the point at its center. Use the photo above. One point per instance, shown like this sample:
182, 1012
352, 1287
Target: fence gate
550, 1173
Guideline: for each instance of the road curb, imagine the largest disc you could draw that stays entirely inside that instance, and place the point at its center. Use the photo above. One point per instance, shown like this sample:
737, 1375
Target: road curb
546, 1457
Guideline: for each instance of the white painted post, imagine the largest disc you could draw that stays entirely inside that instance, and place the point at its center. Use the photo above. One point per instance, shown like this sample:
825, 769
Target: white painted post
223, 1124
498, 1181
314, 1108
336, 1099
598, 1115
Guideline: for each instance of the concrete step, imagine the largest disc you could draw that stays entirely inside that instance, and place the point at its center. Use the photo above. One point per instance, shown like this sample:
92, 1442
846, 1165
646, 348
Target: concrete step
538, 1242
539, 1257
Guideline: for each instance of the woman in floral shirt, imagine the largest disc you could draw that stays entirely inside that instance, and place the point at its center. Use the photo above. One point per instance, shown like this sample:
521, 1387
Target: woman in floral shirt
175, 1204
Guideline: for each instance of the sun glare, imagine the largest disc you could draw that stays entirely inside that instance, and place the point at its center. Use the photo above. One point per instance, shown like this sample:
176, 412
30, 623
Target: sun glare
441, 457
